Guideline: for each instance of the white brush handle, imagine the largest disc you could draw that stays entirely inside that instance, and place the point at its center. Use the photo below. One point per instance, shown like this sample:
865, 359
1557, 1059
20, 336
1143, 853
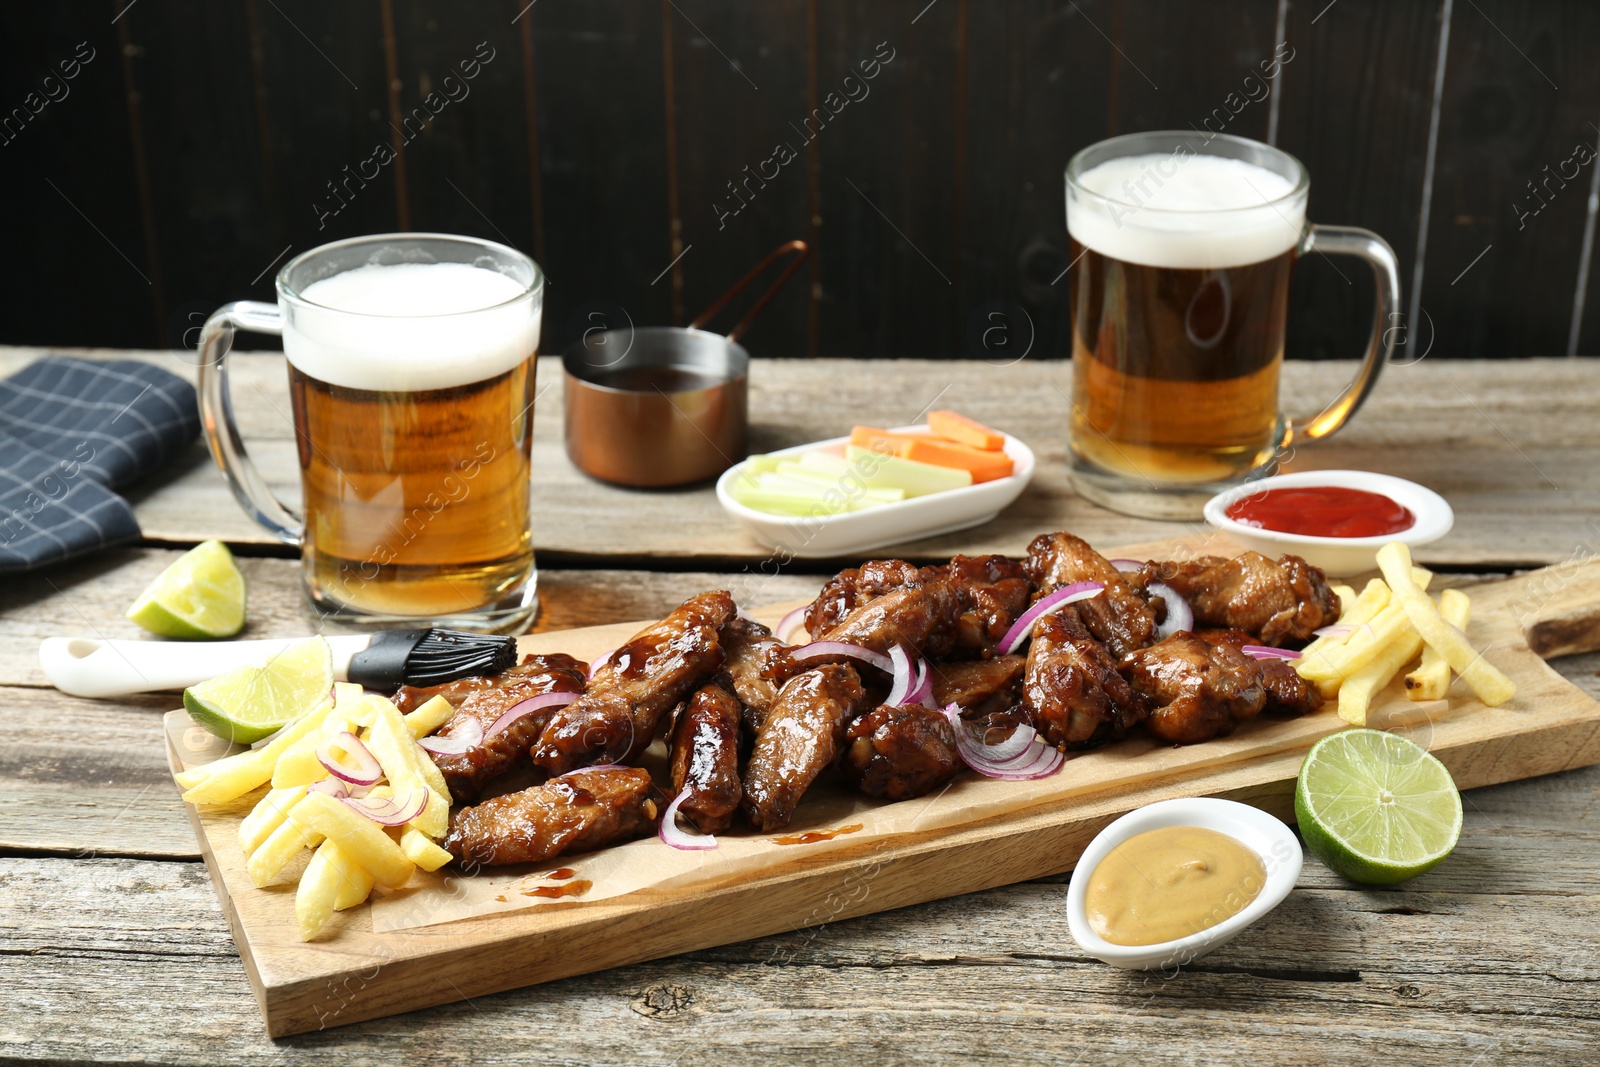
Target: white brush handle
86, 667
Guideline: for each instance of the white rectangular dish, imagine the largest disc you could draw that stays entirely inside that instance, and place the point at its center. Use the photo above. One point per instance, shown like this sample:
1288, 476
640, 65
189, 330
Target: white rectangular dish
854, 532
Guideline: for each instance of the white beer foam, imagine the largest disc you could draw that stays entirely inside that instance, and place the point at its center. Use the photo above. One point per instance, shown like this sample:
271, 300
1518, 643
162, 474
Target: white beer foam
411, 326
1184, 209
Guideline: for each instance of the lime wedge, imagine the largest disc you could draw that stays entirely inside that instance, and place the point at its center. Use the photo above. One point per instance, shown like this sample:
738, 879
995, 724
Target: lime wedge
200, 596
1376, 807
245, 705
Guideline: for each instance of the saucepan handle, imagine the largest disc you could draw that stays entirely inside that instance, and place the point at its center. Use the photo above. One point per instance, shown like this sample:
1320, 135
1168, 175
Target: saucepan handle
734, 334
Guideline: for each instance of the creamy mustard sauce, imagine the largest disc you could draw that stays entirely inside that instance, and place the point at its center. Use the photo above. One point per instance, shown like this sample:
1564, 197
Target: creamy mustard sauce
1169, 883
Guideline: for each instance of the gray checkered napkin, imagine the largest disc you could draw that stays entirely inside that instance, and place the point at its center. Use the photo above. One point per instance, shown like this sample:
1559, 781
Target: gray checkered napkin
71, 431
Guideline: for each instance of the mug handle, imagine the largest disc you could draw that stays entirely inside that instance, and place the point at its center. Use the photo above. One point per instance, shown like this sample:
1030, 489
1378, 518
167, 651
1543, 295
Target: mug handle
216, 415
1363, 244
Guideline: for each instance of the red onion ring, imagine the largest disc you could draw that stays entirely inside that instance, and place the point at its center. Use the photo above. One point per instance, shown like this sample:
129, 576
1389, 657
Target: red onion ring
331, 786
672, 834
1180, 616
594, 668
1019, 763
787, 623
528, 707
904, 679
1053, 601
922, 691
391, 811
1126, 566
1266, 652
1345, 630
470, 736
818, 649
365, 770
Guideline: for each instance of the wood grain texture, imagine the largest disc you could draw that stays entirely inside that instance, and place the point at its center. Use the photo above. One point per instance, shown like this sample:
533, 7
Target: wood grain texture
1512, 452
1550, 726
1518, 99
1337, 975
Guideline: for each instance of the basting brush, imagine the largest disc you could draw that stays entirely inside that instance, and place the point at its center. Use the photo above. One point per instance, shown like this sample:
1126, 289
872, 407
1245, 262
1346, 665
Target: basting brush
88, 667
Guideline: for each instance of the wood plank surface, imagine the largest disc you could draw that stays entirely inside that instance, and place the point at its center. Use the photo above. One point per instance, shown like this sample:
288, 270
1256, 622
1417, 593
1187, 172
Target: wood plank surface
1337, 975
1513, 453
1550, 726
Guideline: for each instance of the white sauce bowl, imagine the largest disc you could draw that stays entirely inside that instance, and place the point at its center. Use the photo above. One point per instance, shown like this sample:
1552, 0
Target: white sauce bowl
1339, 556
1263, 834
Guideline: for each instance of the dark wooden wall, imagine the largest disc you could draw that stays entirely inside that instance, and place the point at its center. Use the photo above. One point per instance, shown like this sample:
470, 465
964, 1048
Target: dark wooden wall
194, 152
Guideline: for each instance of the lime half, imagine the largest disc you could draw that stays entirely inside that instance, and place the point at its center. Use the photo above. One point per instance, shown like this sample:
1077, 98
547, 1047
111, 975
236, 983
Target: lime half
1376, 807
245, 705
201, 595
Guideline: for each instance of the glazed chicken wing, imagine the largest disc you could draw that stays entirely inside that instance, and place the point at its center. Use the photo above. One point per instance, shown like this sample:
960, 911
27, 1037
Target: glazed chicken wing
1199, 690
705, 757
1119, 616
1280, 601
467, 773
798, 740
628, 700
897, 753
749, 647
921, 618
576, 812
994, 590
1071, 689
1287, 692
854, 586
978, 686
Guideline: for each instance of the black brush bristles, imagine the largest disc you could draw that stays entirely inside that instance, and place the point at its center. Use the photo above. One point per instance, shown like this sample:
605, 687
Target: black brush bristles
445, 655
429, 657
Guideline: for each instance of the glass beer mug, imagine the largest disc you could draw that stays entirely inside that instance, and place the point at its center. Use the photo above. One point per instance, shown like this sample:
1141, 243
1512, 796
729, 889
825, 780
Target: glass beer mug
411, 379
1182, 245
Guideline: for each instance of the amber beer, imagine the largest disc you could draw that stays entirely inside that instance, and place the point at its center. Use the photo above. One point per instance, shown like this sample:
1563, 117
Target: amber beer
413, 389
1179, 298
416, 503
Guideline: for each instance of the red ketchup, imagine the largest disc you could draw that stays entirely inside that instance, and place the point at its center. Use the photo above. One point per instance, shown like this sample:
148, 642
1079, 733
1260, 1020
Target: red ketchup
1322, 511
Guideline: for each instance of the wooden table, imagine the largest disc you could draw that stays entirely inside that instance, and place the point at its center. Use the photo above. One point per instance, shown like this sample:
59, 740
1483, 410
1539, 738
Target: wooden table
113, 947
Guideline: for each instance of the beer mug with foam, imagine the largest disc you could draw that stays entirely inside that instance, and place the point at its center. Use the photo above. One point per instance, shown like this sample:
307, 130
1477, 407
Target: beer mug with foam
1182, 245
411, 383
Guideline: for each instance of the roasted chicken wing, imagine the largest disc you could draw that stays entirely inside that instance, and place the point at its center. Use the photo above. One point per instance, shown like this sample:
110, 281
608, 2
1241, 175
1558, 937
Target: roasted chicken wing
1120, 616
1280, 601
1287, 692
467, 773
851, 588
978, 686
627, 702
749, 647
1071, 689
705, 757
896, 753
994, 590
1198, 690
576, 812
798, 740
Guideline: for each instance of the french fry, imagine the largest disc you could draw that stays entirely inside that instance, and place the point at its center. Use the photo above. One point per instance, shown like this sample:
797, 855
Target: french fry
421, 850
1358, 610
1432, 680
355, 885
318, 891
1491, 685
401, 758
1345, 594
281, 846
299, 765
359, 838
1357, 649
234, 776
429, 717
1356, 691
267, 816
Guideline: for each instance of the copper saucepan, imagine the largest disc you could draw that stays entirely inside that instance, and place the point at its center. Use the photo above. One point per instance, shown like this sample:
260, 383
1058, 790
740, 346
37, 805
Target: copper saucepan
665, 405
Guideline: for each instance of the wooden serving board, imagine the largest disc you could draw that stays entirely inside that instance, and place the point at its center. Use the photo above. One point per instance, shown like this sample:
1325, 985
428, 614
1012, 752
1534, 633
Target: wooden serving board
353, 973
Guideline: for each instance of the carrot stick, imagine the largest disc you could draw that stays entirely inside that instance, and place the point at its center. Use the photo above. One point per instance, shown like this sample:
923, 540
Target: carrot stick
965, 431
984, 466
